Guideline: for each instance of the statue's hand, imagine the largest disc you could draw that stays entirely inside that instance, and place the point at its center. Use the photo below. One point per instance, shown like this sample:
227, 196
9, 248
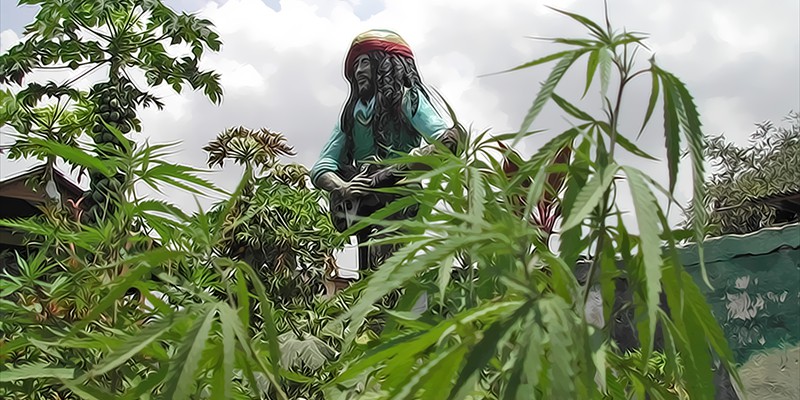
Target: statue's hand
358, 186
387, 176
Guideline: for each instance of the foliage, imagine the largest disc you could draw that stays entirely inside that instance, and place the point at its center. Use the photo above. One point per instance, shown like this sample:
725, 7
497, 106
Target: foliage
521, 331
122, 36
277, 225
106, 311
149, 302
744, 176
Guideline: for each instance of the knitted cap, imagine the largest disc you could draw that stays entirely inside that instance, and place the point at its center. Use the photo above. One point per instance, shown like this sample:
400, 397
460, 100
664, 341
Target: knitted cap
376, 39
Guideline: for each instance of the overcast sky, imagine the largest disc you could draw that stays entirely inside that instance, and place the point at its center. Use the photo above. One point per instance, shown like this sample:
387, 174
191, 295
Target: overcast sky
281, 65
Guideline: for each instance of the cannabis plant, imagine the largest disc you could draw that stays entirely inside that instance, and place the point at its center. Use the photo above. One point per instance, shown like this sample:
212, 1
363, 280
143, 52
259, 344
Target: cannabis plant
521, 330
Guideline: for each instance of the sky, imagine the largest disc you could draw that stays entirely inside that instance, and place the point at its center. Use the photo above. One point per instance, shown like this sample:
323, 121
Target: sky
281, 67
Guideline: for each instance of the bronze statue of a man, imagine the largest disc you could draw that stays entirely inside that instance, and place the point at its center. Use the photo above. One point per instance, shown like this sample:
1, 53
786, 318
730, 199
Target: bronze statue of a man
388, 112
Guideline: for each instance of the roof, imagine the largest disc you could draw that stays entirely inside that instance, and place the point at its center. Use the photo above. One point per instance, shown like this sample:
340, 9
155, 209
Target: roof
16, 187
728, 247
787, 201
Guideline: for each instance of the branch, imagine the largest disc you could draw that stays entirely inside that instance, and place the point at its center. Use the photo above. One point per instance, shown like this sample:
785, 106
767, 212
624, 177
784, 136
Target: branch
80, 23
153, 41
72, 81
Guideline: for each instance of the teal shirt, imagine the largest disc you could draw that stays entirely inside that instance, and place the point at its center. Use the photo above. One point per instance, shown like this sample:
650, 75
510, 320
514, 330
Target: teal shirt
425, 120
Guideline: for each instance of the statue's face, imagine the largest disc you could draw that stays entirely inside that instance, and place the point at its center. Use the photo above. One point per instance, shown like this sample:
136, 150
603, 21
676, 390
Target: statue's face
363, 76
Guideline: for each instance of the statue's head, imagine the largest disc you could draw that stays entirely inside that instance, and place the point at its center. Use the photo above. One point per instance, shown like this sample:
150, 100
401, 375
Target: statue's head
380, 64
368, 52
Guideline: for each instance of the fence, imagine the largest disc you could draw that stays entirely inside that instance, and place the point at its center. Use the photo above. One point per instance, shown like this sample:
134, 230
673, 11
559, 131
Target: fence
756, 299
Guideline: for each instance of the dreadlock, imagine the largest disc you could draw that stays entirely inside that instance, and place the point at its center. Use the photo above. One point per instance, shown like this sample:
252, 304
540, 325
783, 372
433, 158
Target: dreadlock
392, 74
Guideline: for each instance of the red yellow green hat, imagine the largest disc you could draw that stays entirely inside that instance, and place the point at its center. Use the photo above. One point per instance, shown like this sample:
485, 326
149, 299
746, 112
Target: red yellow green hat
376, 39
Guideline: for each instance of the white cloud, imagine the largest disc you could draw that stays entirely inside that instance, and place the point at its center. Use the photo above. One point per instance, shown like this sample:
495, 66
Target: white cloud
734, 120
8, 39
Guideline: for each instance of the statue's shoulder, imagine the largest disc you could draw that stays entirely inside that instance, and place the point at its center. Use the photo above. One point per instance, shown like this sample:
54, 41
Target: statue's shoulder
410, 101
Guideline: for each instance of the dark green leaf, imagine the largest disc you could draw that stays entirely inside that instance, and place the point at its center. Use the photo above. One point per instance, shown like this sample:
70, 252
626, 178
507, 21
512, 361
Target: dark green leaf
651, 105
671, 129
591, 69
571, 109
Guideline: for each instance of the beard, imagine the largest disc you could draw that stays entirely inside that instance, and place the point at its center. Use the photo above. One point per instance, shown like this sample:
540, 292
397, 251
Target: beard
365, 90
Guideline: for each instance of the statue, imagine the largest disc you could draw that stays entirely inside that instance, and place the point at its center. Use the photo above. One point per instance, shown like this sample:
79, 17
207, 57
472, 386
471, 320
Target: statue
388, 112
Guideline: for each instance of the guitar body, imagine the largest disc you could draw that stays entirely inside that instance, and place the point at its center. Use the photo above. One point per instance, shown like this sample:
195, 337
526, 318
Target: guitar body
346, 211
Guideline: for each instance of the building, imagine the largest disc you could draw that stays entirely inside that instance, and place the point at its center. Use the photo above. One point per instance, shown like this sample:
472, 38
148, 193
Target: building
21, 196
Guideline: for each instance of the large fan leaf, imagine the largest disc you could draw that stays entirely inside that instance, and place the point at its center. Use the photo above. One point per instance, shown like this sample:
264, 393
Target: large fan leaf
589, 196
647, 211
546, 91
134, 345
184, 365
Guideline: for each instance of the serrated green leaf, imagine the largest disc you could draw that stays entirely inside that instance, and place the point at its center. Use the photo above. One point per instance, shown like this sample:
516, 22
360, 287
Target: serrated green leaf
481, 353
591, 69
434, 377
671, 130
75, 156
690, 122
647, 211
538, 61
242, 298
591, 25
556, 317
624, 142
572, 109
265, 305
35, 371
589, 196
183, 366
227, 321
126, 144
445, 270
546, 91
132, 346
651, 105
604, 61
533, 367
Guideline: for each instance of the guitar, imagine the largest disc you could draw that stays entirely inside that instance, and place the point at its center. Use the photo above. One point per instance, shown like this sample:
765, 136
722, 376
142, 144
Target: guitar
347, 210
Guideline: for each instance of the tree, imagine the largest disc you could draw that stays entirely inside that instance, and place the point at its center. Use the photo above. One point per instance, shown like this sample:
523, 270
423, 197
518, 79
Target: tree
277, 225
746, 176
126, 37
174, 311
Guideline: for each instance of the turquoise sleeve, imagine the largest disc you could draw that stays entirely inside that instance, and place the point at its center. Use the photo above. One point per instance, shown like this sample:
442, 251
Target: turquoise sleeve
330, 156
426, 120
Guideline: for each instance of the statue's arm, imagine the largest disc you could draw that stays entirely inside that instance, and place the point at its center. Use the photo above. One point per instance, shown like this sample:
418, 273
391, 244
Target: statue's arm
427, 121
329, 181
450, 138
324, 172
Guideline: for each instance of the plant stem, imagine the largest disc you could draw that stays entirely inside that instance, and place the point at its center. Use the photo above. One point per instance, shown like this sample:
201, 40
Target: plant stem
603, 211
